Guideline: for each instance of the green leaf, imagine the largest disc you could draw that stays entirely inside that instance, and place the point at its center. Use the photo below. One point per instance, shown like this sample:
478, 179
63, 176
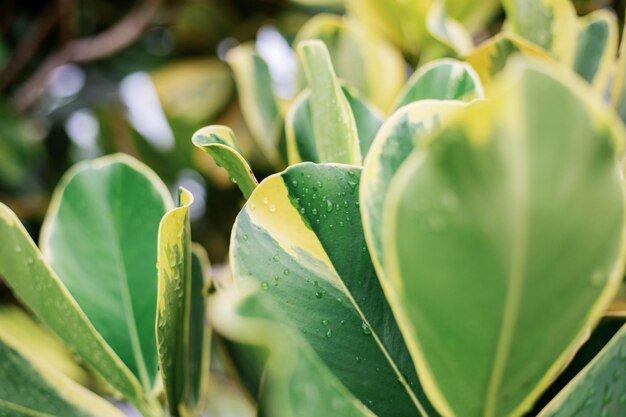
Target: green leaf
493, 55
400, 135
29, 390
193, 90
295, 379
48, 298
475, 229
301, 137
362, 60
596, 47
332, 120
448, 30
443, 79
100, 236
256, 98
180, 311
549, 24
618, 91
221, 144
599, 389
299, 238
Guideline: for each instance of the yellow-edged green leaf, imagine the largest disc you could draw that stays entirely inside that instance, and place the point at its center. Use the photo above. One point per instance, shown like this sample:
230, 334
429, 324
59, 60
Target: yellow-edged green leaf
400, 135
473, 14
300, 239
221, 144
194, 90
256, 97
296, 381
476, 227
596, 47
444, 79
618, 90
599, 389
100, 237
362, 60
34, 390
33, 281
492, 56
302, 139
332, 120
22, 333
448, 31
549, 24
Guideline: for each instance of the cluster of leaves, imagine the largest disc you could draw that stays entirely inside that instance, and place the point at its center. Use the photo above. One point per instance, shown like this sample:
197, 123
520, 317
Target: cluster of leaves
450, 244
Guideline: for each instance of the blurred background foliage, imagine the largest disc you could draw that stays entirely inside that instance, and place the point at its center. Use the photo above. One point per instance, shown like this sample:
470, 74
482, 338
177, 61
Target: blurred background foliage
84, 78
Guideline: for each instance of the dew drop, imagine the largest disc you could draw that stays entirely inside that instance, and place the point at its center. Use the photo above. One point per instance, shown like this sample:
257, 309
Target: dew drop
276, 258
286, 272
343, 322
265, 200
272, 208
352, 185
366, 328
329, 333
18, 248
314, 211
319, 294
597, 278
358, 359
303, 210
245, 237
329, 206
265, 285
277, 278
294, 183
324, 322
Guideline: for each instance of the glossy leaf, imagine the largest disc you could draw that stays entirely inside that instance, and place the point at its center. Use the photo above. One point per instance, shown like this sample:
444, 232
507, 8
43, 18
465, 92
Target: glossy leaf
256, 98
493, 55
36, 390
295, 379
444, 79
36, 344
100, 236
301, 138
475, 228
332, 120
45, 294
299, 238
401, 134
363, 61
549, 24
599, 389
596, 47
221, 144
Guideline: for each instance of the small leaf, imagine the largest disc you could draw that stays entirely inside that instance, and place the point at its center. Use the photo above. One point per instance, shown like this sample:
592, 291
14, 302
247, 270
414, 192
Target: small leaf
332, 120
256, 97
100, 236
467, 226
443, 79
36, 390
221, 144
596, 47
447, 30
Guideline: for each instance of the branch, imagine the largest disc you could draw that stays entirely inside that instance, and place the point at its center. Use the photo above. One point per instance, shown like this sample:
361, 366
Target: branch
92, 48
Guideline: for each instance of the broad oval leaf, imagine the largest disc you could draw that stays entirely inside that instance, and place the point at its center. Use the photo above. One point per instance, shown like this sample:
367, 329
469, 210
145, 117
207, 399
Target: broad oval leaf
549, 24
302, 139
476, 226
299, 237
399, 136
362, 60
28, 390
599, 389
100, 236
258, 104
220, 143
45, 294
596, 47
332, 120
443, 79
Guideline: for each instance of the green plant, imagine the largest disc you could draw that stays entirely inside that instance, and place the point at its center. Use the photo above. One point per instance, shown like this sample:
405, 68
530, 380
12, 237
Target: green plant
94, 284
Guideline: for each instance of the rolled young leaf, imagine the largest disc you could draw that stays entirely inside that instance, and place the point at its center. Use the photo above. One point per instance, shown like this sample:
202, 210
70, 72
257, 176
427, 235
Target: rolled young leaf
299, 238
596, 47
220, 143
37, 286
599, 389
332, 120
475, 229
443, 79
100, 236
28, 390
